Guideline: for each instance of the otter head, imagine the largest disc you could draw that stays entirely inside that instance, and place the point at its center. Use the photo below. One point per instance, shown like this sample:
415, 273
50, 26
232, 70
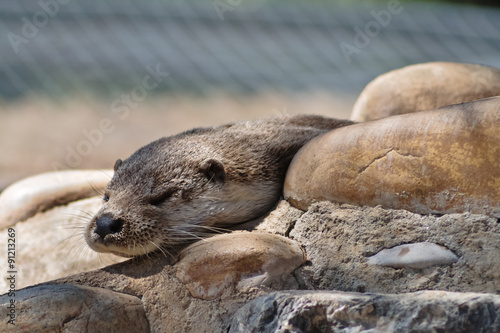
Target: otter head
170, 192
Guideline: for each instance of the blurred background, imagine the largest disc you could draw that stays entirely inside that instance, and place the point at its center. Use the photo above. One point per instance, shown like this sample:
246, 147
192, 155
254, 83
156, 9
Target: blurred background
83, 83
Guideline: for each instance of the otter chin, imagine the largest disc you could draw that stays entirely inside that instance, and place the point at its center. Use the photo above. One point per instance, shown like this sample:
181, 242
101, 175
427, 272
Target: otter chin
185, 187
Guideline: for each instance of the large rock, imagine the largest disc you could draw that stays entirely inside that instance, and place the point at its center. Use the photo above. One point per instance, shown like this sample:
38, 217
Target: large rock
340, 239
340, 242
427, 311
425, 87
47, 214
70, 308
50, 244
440, 161
29, 196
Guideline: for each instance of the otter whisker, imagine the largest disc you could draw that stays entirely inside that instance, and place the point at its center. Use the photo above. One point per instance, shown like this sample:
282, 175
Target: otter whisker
106, 174
215, 229
163, 250
73, 226
134, 246
181, 239
97, 190
80, 214
89, 214
79, 223
152, 254
189, 233
100, 192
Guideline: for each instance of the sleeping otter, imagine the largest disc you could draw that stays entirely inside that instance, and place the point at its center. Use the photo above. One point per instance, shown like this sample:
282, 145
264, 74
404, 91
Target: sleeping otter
180, 188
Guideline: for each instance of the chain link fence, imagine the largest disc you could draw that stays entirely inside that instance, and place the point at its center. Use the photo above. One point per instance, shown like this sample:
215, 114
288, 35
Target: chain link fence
55, 47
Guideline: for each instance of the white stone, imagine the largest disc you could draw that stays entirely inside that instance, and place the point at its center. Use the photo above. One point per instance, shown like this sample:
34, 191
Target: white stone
416, 255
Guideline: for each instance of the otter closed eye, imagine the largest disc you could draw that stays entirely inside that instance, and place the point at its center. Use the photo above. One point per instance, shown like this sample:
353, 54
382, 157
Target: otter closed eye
160, 199
180, 188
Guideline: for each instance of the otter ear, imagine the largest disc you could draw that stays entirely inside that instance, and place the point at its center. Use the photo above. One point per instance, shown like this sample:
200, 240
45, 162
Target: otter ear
213, 169
118, 163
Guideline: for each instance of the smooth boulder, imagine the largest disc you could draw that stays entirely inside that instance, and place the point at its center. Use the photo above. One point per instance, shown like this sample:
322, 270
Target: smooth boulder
211, 266
71, 308
425, 86
440, 161
50, 244
29, 196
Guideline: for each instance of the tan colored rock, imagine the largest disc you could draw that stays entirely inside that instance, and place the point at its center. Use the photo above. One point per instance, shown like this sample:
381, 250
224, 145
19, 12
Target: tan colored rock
245, 259
25, 198
338, 239
70, 308
440, 161
50, 244
425, 87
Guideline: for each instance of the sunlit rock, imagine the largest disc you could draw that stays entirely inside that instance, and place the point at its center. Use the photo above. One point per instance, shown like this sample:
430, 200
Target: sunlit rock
424, 87
441, 161
25, 198
244, 259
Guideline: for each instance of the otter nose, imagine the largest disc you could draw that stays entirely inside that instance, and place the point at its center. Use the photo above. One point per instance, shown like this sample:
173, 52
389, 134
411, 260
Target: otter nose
106, 226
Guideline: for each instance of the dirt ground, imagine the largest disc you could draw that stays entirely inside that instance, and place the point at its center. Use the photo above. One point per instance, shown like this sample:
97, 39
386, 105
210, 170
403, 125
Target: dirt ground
39, 134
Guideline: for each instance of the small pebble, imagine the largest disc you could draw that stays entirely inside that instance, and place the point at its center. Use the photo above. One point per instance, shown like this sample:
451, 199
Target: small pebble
416, 255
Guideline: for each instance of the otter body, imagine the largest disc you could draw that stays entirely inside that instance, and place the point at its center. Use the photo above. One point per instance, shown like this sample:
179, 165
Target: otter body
178, 188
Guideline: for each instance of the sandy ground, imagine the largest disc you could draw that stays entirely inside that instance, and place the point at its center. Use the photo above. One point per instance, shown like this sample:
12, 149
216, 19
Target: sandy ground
39, 134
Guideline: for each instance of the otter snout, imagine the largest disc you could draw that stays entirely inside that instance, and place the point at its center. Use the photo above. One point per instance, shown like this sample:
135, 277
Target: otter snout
105, 225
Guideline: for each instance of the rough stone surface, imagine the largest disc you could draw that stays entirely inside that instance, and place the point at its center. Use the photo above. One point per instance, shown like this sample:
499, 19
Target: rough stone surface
168, 304
427, 311
50, 245
441, 161
29, 196
70, 308
242, 259
339, 239
424, 87
281, 220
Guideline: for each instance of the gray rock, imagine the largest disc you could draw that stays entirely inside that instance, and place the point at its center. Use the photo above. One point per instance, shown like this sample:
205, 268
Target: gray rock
426, 311
70, 308
338, 240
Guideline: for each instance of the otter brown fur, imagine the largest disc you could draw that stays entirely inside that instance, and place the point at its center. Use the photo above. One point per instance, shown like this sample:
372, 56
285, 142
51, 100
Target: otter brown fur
179, 188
